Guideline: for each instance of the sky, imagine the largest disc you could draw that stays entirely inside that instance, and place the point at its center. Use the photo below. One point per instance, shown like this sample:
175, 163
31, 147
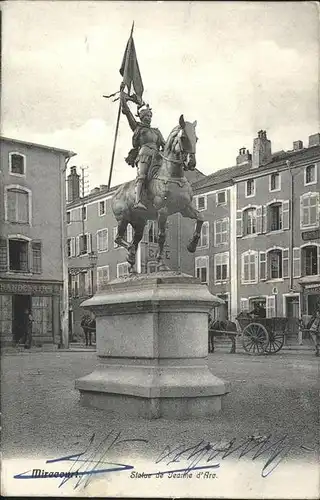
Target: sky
235, 67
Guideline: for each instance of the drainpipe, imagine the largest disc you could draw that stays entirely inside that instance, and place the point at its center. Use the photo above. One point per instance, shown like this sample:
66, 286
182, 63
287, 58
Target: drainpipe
64, 317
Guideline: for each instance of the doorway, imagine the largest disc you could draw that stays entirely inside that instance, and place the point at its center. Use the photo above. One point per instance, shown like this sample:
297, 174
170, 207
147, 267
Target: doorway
292, 312
20, 303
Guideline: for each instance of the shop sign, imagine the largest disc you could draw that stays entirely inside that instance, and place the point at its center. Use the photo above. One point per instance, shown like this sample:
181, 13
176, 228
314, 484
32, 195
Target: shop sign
311, 235
29, 288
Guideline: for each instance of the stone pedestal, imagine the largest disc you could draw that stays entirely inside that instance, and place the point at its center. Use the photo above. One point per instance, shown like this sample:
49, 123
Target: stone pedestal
152, 340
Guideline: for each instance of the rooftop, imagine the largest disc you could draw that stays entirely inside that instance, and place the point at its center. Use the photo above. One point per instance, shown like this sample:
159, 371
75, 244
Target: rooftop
66, 152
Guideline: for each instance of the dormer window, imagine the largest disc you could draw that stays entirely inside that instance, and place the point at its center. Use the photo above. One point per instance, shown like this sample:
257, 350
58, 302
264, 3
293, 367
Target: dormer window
17, 164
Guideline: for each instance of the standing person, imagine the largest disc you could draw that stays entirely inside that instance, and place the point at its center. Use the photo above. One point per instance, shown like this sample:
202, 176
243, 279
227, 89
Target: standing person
84, 325
29, 323
314, 326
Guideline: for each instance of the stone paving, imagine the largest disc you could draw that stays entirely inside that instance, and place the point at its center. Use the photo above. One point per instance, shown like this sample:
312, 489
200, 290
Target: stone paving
41, 412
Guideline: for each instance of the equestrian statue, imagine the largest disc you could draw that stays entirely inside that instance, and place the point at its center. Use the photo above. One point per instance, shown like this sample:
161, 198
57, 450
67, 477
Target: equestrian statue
161, 188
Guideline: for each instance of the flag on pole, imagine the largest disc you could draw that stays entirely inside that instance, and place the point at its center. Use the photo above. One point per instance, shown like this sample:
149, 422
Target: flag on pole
130, 68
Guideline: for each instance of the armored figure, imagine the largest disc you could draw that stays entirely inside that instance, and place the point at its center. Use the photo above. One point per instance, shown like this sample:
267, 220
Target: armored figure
146, 141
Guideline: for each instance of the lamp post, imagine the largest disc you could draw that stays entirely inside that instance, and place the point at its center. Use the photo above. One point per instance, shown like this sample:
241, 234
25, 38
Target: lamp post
93, 258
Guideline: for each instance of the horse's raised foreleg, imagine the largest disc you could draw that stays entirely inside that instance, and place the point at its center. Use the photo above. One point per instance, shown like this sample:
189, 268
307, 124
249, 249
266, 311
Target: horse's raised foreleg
162, 221
132, 251
119, 239
192, 213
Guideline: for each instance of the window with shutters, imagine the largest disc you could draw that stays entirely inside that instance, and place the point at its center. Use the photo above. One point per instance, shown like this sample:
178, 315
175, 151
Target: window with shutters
17, 164
285, 263
202, 268
221, 231
310, 260
102, 240
221, 267
36, 257
18, 205
122, 269
239, 223
3, 255
103, 277
221, 198
204, 236
250, 188
310, 175
19, 255
84, 244
249, 267
249, 221
296, 262
274, 216
271, 306
102, 208
262, 266
275, 182
309, 214
275, 264
200, 202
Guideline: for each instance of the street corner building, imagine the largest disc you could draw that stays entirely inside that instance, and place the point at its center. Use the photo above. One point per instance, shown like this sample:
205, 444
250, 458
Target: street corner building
33, 266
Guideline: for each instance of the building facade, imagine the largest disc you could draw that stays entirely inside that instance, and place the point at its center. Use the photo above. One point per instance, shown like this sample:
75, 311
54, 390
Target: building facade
91, 230
33, 266
271, 251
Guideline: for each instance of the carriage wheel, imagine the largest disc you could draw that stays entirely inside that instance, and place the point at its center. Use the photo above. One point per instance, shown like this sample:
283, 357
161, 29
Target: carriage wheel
255, 338
276, 341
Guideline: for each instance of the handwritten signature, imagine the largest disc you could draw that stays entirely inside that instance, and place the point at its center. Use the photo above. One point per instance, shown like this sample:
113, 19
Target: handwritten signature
206, 451
88, 463
202, 455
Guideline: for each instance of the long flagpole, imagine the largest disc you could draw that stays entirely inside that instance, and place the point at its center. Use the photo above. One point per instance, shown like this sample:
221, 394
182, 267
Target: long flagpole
116, 131
114, 144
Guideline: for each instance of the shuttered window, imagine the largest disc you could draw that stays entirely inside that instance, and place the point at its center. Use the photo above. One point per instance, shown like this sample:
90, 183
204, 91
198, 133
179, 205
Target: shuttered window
18, 206
262, 266
36, 257
3, 254
296, 263
271, 306
102, 240
285, 263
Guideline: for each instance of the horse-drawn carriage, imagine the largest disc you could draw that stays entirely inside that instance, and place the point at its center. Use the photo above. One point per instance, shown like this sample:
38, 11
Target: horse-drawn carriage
259, 335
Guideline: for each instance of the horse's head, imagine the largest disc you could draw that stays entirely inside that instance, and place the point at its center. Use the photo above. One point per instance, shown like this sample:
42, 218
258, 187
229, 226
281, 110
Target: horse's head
183, 142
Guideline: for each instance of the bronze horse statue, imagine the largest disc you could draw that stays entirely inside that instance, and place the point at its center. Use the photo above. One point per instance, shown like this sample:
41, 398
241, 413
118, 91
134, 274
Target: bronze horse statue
168, 192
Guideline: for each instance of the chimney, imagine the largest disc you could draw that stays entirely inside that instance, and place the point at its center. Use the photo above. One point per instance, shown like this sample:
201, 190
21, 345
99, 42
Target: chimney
261, 149
314, 140
297, 145
244, 157
73, 185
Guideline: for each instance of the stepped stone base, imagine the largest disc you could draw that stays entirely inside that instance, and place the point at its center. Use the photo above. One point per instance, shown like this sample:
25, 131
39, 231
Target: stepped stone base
152, 341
